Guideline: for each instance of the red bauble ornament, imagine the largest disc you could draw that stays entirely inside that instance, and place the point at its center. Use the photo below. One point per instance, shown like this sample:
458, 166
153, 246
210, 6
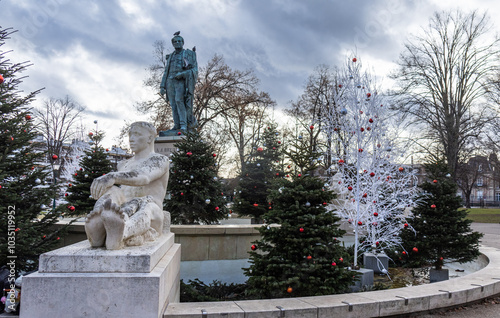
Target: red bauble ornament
405, 225
349, 188
301, 229
189, 153
299, 175
27, 117
341, 162
404, 253
70, 185
441, 258
287, 175
334, 264
54, 157
260, 149
370, 120
435, 181
340, 85
277, 173
182, 193
354, 60
1, 79
311, 127
360, 223
17, 230
368, 128
401, 169
365, 195
253, 247
415, 250
368, 95
375, 214
107, 149
45, 236
433, 206
360, 150
362, 129
341, 259
91, 134
76, 174
66, 194
58, 238
289, 290
372, 174
309, 257
71, 208
255, 204
324, 203
274, 148
214, 155
179, 133
216, 208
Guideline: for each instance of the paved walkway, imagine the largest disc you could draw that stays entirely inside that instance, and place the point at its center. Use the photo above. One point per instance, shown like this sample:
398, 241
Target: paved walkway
486, 309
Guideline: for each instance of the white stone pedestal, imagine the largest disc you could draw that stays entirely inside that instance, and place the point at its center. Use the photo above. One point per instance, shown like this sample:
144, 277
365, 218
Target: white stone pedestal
376, 262
80, 281
166, 145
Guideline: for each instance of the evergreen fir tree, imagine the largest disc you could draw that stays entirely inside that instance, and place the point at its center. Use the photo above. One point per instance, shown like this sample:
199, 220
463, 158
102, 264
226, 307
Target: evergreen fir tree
93, 164
196, 193
298, 253
442, 233
25, 232
263, 166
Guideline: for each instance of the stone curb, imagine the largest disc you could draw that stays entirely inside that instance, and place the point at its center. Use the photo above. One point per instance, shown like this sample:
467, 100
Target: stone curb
473, 287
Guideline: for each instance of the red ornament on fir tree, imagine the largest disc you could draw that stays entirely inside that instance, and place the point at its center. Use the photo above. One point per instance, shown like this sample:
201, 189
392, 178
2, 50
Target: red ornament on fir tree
189, 153
415, 250
354, 60
370, 120
216, 208
17, 230
214, 155
1, 79
375, 214
341, 259
405, 225
433, 206
324, 203
340, 85
66, 194
372, 174
401, 169
334, 264
299, 175
71, 208
435, 181
301, 229
341, 162
309, 257
360, 150
107, 149
27, 117
253, 247
349, 188
54, 157
362, 129
404, 253
91, 134
368, 95
179, 133
255, 205
289, 290
360, 223
260, 149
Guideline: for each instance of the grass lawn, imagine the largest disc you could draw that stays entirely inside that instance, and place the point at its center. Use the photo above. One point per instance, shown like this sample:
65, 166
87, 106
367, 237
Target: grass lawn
484, 215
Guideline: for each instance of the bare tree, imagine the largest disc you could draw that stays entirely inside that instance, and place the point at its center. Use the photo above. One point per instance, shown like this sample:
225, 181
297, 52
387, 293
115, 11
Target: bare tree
443, 77
56, 121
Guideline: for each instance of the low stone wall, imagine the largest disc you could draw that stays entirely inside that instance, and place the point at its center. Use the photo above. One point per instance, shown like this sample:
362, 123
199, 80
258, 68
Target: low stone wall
199, 242
478, 285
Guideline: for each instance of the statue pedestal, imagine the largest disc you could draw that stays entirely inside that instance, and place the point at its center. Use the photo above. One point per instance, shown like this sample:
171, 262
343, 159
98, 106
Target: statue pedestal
166, 145
80, 281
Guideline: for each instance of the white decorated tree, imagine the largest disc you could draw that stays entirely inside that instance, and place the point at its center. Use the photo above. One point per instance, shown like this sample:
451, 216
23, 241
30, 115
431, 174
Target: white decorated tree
374, 190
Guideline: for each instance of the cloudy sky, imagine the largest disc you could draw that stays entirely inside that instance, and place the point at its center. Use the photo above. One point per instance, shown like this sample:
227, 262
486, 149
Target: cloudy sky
97, 51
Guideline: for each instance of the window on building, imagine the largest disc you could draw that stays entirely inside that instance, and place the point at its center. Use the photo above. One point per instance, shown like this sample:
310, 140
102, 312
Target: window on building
497, 196
479, 195
479, 182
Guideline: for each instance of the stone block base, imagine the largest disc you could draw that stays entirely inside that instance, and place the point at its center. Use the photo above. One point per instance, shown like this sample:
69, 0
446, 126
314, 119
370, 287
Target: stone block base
365, 279
93, 294
438, 275
376, 262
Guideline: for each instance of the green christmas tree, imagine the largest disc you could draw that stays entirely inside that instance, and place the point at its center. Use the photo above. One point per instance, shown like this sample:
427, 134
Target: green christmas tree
263, 166
196, 194
298, 253
25, 232
441, 231
93, 164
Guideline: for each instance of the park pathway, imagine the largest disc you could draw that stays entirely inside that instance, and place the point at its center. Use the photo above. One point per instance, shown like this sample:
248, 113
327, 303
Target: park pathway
486, 309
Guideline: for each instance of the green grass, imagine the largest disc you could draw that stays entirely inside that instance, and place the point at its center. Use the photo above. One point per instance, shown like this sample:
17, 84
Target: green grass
484, 215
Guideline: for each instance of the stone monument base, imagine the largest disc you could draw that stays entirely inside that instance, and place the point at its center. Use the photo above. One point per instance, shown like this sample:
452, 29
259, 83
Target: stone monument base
166, 145
132, 282
365, 280
438, 275
376, 262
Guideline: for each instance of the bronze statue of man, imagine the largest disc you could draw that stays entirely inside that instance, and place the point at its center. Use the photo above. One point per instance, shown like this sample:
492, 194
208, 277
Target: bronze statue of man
179, 79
